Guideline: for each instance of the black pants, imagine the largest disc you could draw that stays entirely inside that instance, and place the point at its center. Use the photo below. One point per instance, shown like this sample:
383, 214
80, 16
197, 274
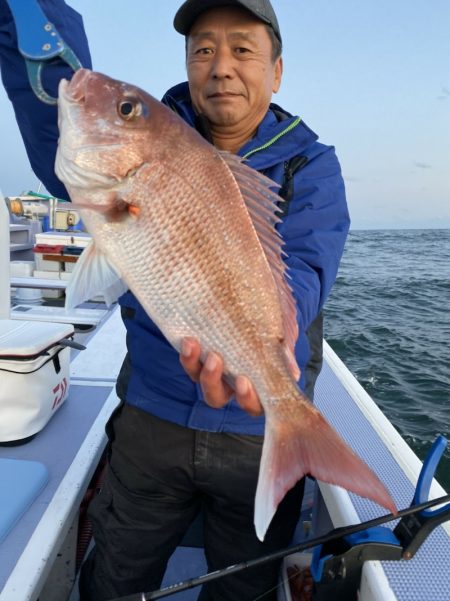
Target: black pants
314, 366
160, 476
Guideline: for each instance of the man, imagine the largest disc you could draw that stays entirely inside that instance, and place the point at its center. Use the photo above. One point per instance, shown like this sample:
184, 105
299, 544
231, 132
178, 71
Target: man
178, 444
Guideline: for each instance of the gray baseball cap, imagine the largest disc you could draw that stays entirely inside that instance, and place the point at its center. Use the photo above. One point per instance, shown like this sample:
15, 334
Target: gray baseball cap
191, 9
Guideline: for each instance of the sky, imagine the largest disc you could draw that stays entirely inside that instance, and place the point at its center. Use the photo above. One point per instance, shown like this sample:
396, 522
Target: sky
371, 77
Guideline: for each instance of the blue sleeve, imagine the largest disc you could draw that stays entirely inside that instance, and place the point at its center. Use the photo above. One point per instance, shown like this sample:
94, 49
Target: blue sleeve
314, 232
38, 121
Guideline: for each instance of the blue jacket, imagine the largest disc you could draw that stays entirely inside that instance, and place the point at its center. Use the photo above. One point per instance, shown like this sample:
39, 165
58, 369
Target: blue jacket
314, 229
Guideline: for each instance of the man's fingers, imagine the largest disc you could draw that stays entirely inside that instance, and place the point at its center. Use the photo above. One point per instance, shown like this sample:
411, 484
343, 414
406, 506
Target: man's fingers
190, 358
246, 396
216, 392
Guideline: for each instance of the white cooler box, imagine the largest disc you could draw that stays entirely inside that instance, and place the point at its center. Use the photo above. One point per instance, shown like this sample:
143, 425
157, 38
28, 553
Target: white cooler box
34, 375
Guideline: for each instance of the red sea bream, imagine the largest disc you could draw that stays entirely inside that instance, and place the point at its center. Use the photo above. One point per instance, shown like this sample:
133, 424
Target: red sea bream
191, 231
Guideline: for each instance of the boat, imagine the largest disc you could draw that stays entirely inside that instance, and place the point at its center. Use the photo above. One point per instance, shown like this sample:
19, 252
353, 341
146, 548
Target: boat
42, 547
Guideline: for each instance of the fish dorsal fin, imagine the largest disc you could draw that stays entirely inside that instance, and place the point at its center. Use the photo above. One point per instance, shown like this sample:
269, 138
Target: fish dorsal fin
262, 204
93, 274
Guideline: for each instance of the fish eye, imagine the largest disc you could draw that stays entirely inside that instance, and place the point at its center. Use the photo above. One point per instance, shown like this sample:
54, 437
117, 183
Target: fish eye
129, 109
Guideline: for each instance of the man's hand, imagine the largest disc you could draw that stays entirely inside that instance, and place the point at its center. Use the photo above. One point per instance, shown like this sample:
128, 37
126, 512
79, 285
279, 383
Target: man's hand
216, 391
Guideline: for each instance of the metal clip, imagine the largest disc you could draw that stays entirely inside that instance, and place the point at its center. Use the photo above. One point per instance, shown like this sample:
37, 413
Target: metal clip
34, 69
39, 43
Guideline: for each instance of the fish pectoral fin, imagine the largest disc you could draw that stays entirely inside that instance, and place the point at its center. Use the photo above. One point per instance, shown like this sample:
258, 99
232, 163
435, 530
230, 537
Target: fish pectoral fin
307, 445
93, 274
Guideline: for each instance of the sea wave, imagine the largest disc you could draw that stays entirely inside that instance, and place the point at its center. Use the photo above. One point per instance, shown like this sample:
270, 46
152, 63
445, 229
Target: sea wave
388, 319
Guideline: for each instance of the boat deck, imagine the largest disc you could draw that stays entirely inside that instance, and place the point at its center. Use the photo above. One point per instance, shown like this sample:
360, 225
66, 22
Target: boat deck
72, 443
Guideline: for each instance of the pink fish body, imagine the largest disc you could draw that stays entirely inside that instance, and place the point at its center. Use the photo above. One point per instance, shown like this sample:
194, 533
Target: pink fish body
190, 230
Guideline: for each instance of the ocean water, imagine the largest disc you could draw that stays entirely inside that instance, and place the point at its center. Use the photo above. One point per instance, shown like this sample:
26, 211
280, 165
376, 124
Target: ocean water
388, 319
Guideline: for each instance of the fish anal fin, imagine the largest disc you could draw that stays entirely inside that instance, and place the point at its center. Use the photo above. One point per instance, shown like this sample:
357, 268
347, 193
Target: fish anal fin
309, 446
93, 274
262, 204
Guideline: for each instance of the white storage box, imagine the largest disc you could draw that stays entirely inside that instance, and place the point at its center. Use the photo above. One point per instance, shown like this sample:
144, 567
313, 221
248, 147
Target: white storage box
34, 375
47, 265
80, 239
21, 269
69, 265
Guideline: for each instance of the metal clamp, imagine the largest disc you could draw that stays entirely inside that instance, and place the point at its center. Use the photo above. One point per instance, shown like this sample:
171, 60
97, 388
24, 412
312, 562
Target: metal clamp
39, 43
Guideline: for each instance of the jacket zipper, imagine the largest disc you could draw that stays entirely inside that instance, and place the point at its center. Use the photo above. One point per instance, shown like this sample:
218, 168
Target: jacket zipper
274, 139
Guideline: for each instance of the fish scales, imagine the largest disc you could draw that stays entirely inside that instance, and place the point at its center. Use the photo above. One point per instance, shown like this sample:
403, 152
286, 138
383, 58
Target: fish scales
199, 294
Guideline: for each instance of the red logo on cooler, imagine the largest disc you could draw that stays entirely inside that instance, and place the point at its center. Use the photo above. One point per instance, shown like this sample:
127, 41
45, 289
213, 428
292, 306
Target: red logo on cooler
59, 391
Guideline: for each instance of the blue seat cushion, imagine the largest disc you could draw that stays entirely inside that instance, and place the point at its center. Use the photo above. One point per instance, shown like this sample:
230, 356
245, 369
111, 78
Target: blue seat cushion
20, 483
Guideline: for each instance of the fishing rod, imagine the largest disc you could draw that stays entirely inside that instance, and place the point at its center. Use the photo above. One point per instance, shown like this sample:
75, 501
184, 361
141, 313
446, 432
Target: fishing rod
333, 535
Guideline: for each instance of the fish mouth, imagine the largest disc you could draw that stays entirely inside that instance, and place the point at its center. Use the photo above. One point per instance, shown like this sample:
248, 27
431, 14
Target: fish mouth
75, 89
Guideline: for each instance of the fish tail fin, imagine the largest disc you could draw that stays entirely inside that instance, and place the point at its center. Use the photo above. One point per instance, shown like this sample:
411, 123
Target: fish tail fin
308, 445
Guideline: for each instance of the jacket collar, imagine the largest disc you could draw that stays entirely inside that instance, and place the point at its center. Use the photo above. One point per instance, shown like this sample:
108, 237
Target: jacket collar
279, 137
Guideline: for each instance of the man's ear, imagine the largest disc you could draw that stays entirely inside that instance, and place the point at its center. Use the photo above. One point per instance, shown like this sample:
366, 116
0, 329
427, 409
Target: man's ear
278, 74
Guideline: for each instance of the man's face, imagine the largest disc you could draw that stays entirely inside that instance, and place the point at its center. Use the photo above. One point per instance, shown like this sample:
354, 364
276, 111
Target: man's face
230, 69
